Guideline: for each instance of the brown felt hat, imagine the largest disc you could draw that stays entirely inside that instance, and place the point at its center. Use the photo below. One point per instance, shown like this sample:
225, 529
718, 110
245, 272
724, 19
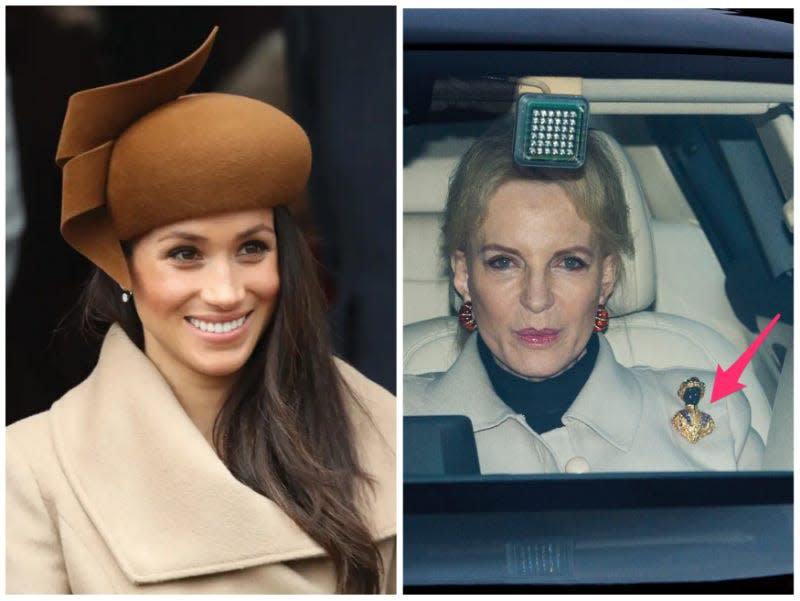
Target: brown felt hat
138, 154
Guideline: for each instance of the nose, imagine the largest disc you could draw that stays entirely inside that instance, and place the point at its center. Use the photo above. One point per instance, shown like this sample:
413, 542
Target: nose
223, 288
537, 290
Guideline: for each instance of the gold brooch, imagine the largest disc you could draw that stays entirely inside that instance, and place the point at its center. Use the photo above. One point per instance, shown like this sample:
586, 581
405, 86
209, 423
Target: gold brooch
689, 422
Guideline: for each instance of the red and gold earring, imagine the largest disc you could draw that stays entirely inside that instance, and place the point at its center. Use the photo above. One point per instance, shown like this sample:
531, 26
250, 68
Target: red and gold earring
601, 319
466, 318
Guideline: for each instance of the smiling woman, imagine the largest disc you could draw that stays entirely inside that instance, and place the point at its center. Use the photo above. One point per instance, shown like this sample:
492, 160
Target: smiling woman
224, 262
217, 446
205, 291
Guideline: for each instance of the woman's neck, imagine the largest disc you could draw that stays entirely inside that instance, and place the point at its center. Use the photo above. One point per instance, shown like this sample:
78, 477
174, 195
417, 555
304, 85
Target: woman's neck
543, 402
201, 396
202, 399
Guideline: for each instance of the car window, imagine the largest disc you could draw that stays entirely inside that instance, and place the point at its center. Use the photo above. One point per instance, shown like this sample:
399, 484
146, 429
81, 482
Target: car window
708, 135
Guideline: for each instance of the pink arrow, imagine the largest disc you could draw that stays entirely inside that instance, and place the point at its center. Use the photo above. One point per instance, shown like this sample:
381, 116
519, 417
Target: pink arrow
727, 380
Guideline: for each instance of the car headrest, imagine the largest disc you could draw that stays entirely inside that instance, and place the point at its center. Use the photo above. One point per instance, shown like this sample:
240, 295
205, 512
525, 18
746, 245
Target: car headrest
637, 289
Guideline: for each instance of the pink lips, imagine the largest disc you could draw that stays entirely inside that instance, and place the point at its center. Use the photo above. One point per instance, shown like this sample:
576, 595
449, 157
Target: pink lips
534, 337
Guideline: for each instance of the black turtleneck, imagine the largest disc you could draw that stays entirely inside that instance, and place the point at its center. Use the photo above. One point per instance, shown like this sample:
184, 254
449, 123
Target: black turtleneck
542, 403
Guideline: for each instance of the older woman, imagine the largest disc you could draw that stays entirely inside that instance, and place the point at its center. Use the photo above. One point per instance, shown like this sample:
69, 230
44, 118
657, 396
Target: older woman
535, 255
217, 446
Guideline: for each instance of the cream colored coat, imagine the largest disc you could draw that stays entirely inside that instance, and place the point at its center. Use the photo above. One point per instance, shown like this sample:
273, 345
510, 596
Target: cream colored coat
620, 421
114, 490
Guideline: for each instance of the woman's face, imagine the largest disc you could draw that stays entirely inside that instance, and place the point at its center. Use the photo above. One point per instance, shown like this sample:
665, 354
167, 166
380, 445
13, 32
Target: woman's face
205, 290
535, 275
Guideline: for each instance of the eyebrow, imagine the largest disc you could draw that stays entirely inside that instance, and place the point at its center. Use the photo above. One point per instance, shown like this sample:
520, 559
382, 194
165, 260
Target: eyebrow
578, 248
499, 247
191, 237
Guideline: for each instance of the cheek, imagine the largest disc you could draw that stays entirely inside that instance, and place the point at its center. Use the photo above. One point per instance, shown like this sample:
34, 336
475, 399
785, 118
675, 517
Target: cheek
160, 301
268, 290
582, 301
157, 292
493, 299
266, 283
496, 300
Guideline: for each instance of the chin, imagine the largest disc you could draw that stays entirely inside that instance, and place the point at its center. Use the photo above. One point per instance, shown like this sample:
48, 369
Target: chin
539, 374
220, 369
539, 369
222, 372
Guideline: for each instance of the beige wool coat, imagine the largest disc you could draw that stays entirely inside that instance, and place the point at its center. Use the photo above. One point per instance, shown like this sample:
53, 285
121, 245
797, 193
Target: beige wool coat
621, 421
114, 490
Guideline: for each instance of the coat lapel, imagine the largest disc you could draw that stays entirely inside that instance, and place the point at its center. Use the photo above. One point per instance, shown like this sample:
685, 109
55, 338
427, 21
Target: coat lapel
465, 389
610, 402
165, 504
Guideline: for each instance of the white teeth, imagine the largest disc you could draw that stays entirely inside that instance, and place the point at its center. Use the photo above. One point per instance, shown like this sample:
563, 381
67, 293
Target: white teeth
218, 327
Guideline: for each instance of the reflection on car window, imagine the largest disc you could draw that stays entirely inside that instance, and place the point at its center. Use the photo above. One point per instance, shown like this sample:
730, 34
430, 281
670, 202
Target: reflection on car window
563, 330
566, 417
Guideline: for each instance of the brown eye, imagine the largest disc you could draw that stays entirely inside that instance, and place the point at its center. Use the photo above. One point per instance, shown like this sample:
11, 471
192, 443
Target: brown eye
253, 247
184, 254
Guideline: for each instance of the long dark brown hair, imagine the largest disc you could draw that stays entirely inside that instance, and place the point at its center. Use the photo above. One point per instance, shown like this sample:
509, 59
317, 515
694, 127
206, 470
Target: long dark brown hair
285, 430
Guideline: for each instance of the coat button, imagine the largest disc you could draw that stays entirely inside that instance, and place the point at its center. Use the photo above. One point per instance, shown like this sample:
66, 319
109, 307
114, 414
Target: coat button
577, 465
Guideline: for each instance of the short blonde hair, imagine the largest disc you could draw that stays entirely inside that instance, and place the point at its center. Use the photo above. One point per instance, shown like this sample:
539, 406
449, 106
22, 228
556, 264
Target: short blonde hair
595, 190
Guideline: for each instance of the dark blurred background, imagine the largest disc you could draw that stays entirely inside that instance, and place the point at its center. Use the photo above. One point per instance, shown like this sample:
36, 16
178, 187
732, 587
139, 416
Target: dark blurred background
331, 68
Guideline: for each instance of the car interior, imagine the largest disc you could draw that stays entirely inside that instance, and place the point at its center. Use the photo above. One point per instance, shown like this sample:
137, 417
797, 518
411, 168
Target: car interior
707, 170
